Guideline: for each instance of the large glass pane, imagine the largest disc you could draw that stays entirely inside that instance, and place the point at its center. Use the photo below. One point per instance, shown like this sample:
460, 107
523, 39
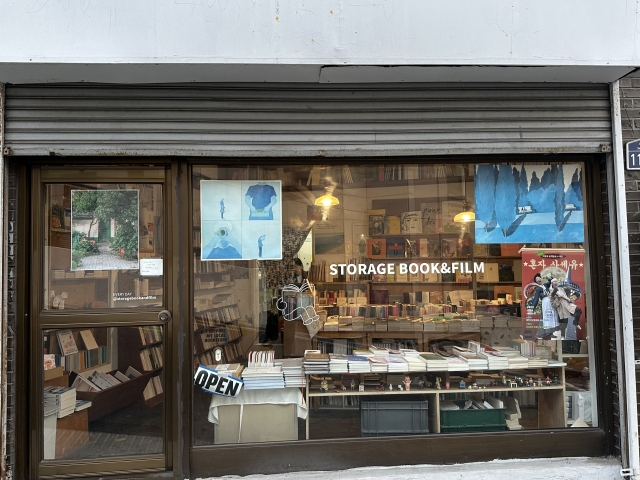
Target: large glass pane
103, 246
103, 392
425, 290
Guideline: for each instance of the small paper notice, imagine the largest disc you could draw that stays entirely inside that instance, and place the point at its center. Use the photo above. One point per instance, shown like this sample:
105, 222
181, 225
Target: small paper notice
150, 267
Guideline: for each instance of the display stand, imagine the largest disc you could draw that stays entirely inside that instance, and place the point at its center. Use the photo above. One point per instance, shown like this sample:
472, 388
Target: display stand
552, 410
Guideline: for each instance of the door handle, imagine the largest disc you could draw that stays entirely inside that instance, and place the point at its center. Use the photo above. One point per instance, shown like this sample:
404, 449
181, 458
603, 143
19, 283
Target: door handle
164, 316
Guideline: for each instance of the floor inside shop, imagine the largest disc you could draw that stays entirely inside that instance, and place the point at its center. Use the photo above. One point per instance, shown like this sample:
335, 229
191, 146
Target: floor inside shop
133, 430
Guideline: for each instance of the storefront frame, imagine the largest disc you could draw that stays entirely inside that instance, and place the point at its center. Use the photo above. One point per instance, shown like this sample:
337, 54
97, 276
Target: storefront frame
298, 456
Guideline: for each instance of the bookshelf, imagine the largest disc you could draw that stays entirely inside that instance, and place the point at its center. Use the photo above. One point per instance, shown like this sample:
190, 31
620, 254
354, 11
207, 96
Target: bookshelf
216, 313
142, 348
85, 359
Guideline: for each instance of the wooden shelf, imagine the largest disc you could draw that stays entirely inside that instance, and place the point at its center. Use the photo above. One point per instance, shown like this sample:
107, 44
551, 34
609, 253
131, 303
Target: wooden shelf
419, 235
424, 391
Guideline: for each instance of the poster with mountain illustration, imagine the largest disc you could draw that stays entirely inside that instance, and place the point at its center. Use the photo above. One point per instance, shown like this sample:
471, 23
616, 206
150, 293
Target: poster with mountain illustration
529, 204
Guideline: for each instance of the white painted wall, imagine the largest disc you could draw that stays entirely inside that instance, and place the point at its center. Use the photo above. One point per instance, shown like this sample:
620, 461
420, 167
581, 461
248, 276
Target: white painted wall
311, 33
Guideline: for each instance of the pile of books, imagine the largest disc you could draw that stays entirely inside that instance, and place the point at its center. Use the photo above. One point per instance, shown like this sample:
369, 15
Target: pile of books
415, 362
475, 361
315, 362
435, 362
338, 363
293, 372
63, 399
331, 325
397, 364
256, 378
358, 364
378, 365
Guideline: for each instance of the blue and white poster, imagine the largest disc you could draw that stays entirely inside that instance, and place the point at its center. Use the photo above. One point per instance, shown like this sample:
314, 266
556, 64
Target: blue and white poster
529, 204
241, 220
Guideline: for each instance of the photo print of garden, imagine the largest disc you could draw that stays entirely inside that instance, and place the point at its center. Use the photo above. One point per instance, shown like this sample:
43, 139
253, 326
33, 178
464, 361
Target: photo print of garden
104, 229
529, 204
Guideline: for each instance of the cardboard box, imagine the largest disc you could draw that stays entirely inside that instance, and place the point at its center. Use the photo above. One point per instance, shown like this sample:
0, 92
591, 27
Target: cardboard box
258, 423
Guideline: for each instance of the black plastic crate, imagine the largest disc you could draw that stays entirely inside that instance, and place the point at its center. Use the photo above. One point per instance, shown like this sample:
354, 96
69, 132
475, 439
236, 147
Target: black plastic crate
386, 417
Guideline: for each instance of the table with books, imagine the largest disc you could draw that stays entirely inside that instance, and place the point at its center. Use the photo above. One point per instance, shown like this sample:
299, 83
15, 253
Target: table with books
267, 407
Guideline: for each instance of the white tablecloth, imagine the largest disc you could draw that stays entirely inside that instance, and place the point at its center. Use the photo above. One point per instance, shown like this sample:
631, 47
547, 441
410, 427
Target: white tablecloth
278, 396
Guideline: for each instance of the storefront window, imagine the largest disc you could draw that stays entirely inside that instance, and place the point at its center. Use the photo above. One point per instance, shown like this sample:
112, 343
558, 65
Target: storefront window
103, 246
103, 392
390, 299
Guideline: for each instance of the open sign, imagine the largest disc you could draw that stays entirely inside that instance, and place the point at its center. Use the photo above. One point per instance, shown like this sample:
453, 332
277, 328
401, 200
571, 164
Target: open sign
211, 381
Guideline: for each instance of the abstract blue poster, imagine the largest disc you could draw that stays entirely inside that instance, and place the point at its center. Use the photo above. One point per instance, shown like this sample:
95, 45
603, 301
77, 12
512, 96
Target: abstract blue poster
241, 220
529, 204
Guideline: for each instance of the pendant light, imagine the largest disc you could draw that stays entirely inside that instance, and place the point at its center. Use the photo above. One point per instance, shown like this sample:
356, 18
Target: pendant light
327, 200
466, 215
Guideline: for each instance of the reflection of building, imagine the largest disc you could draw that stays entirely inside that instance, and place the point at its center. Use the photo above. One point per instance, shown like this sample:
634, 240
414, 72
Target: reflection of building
361, 91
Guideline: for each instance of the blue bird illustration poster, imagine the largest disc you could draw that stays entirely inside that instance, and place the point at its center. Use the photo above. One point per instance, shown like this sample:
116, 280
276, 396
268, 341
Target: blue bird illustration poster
241, 220
529, 204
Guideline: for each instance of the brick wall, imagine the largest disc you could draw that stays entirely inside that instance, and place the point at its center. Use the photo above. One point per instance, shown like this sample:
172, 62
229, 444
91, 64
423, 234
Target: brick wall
630, 112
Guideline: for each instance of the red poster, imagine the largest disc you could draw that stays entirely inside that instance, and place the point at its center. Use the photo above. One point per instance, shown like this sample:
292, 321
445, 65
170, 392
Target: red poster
539, 316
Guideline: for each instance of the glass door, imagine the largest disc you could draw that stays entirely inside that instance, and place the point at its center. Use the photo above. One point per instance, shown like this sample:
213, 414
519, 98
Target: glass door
101, 328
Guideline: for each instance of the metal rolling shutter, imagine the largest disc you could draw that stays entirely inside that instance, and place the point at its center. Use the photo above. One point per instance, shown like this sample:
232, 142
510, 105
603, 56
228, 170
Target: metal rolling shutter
304, 119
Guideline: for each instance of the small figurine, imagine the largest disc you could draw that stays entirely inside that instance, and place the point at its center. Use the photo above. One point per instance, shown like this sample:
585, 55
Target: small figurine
428, 384
547, 381
556, 380
379, 388
353, 385
438, 380
420, 384
324, 386
504, 380
513, 384
390, 388
446, 385
491, 384
407, 382
361, 387
469, 387
344, 389
462, 384
475, 386
400, 387
539, 381
520, 381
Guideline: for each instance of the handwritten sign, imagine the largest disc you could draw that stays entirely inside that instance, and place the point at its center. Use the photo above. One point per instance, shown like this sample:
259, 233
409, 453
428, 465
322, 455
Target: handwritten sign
211, 381
151, 267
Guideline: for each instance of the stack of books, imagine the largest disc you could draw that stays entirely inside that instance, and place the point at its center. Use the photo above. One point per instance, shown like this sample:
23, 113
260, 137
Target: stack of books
475, 361
378, 364
469, 325
63, 399
338, 363
229, 369
537, 362
331, 325
416, 363
315, 362
262, 377
358, 364
435, 363
397, 364
292, 369
456, 364
82, 405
